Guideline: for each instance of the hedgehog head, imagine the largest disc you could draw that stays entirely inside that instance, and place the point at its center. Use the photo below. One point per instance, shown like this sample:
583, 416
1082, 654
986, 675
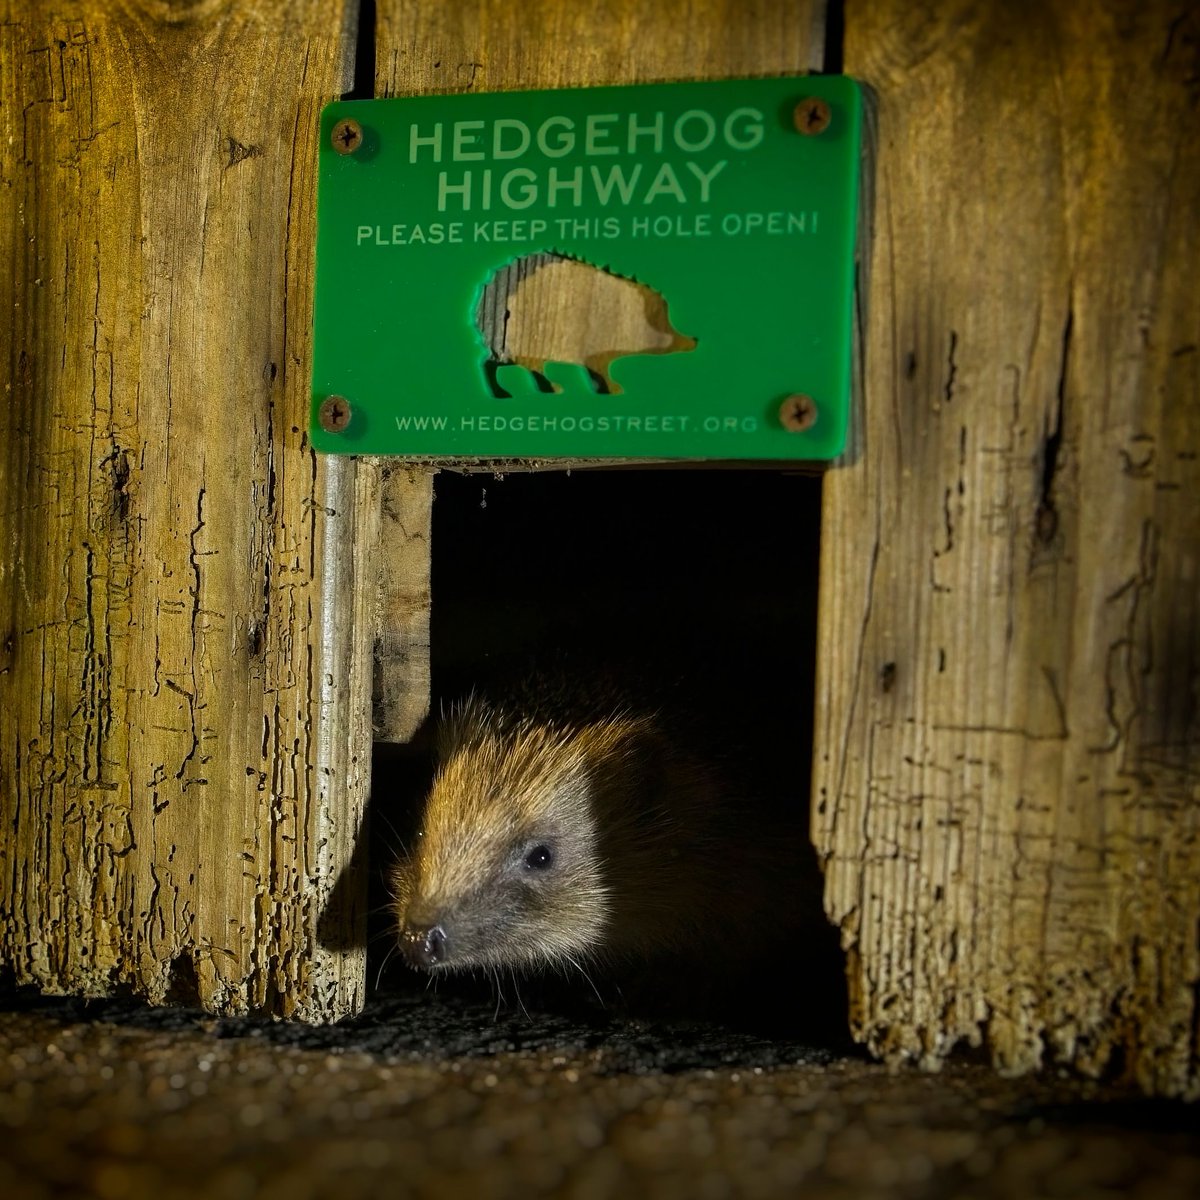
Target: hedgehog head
506, 870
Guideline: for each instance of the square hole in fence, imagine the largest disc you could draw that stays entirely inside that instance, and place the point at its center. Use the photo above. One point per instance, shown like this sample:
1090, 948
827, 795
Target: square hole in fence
641, 644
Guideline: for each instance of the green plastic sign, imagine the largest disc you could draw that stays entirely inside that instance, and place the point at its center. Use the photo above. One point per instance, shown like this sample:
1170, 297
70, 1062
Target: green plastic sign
657, 271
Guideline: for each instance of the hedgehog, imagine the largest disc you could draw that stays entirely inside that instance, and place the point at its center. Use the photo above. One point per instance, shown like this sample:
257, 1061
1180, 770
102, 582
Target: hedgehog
554, 839
553, 308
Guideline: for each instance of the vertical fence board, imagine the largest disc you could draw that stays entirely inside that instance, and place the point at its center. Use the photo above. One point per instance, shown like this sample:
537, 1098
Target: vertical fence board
402, 665
184, 725
1008, 773
488, 45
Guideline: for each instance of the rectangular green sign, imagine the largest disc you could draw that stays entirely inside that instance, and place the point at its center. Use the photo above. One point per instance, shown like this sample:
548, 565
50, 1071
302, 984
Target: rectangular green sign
658, 271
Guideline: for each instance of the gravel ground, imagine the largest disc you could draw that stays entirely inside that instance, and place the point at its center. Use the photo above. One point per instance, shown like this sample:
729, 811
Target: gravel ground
436, 1096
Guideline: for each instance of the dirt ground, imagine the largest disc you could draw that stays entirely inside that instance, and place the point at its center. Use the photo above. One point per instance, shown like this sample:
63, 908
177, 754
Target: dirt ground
432, 1096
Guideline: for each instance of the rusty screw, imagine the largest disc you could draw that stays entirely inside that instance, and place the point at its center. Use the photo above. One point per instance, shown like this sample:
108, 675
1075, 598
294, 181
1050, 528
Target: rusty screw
347, 136
811, 116
334, 414
798, 413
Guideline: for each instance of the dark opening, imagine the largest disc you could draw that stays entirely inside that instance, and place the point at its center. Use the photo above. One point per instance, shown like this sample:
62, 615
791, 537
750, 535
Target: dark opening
704, 578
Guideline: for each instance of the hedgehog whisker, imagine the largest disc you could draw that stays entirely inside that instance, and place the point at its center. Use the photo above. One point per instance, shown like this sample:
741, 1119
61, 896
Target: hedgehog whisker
495, 974
517, 989
378, 816
387, 958
578, 966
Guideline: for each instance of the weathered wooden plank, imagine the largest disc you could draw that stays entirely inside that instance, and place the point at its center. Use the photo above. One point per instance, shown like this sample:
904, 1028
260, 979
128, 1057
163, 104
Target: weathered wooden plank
1008, 774
184, 719
488, 45
402, 639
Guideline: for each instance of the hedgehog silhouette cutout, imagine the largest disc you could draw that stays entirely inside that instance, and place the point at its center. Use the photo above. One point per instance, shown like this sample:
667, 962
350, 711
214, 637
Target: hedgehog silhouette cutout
543, 308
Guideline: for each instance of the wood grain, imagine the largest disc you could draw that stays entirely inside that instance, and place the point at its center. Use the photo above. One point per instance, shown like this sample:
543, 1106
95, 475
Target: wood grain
402, 666
184, 724
1008, 778
492, 46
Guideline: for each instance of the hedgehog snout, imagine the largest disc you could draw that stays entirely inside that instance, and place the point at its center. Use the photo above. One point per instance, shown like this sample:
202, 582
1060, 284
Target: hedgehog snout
423, 944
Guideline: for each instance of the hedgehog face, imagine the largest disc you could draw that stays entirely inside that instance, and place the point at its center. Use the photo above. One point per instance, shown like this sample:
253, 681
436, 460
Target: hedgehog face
505, 872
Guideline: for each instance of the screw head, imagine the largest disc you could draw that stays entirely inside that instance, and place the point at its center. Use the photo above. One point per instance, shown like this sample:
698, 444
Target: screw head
797, 413
334, 414
347, 136
811, 116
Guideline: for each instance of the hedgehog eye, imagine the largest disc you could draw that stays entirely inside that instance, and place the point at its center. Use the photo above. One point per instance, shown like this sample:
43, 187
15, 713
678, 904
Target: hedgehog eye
539, 858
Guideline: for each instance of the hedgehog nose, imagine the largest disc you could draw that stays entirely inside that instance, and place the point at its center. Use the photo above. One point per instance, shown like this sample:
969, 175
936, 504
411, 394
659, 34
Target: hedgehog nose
424, 947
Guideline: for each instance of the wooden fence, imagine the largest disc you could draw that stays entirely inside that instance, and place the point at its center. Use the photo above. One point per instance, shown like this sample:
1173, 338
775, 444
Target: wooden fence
1007, 782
